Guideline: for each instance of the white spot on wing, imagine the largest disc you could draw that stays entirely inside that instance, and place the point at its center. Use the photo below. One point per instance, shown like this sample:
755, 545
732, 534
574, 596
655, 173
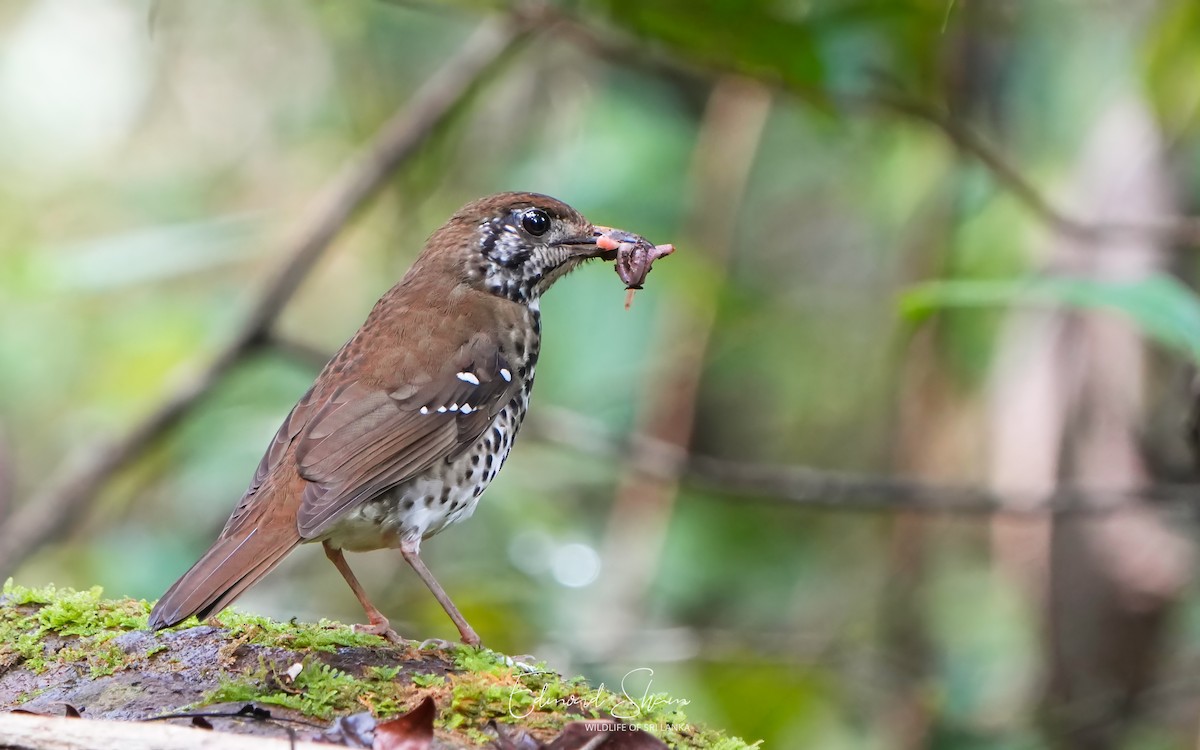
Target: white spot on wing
504, 373
441, 410
468, 377
424, 409
465, 409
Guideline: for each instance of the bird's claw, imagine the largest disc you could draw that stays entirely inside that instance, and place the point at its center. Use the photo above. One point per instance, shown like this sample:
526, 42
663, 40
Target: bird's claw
382, 629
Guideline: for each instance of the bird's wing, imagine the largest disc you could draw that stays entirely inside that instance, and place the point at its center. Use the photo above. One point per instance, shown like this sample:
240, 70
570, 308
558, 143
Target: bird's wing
361, 440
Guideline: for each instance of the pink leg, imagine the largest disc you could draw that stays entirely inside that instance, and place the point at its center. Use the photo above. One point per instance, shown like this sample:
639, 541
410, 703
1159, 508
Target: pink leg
378, 623
413, 558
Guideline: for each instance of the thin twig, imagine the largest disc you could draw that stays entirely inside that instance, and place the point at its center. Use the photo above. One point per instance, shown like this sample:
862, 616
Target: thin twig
54, 508
1183, 229
817, 489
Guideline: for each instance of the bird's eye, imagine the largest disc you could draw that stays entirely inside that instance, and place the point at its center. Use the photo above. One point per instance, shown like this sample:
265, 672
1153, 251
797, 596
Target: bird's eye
535, 221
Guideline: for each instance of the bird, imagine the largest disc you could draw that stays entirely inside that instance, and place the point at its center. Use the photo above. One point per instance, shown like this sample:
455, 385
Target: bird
408, 423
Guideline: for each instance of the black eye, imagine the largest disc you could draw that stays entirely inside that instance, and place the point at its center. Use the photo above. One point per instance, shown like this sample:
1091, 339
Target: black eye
535, 221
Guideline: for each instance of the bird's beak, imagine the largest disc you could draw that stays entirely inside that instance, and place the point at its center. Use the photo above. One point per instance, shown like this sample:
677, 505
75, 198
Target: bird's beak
602, 243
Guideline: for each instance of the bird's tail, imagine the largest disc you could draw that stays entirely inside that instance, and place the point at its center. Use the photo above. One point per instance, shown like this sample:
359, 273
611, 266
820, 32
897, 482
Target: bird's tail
232, 565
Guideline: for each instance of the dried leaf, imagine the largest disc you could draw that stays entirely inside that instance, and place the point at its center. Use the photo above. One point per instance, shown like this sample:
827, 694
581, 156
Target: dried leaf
412, 731
69, 711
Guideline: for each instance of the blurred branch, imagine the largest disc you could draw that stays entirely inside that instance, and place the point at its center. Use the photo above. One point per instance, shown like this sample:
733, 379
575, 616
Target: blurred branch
805, 487
1183, 229
810, 488
620, 49
55, 507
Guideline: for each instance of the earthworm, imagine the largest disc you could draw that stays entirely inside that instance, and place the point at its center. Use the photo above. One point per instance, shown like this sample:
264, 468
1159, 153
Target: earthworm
633, 255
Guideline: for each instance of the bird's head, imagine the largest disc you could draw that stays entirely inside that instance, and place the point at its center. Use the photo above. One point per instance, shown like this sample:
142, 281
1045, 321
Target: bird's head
516, 245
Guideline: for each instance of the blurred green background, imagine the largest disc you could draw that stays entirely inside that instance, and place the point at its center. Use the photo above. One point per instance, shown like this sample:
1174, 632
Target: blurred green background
807, 158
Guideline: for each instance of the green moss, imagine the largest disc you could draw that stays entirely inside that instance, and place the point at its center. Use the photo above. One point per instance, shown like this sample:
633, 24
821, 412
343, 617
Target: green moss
84, 613
325, 690
385, 674
323, 635
385, 705
234, 690
88, 622
482, 686
319, 690
101, 658
428, 680
106, 660
15, 595
478, 737
69, 612
28, 616
480, 660
19, 642
155, 649
30, 695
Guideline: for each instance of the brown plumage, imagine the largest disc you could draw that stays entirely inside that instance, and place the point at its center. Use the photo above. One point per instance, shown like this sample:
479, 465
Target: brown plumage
412, 418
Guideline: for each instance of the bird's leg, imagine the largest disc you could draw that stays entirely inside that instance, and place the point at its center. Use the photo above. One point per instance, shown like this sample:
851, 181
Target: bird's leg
379, 624
411, 552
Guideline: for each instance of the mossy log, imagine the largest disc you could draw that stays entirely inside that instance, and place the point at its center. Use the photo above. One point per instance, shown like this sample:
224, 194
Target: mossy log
74, 653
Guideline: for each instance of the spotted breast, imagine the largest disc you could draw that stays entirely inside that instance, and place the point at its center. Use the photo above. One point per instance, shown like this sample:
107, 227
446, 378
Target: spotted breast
448, 491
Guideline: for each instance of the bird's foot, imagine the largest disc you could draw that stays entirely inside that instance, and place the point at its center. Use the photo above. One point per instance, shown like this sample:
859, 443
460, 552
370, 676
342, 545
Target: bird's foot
380, 627
439, 644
